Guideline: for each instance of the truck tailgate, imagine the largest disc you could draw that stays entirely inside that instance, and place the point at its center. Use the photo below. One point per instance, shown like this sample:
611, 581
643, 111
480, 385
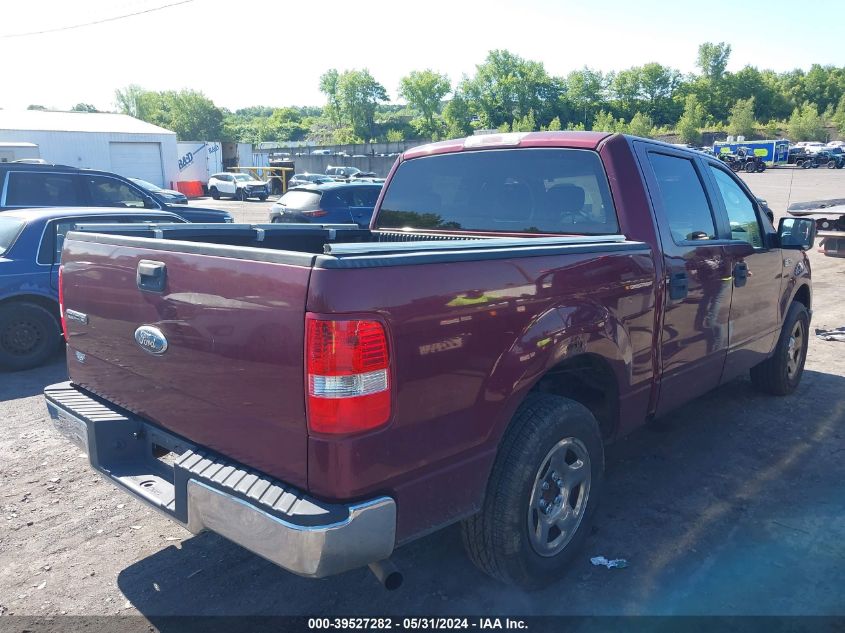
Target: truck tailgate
231, 376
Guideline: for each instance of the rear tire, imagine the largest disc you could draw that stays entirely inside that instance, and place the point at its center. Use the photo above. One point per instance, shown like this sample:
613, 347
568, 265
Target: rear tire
214, 193
807, 164
541, 495
831, 164
263, 198
29, 335
761, 167
781, 373
750, 167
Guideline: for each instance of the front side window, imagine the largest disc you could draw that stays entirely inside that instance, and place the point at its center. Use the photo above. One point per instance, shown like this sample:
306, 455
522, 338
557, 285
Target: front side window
530, 190
31, 189
741, 213
109, 192
685, 204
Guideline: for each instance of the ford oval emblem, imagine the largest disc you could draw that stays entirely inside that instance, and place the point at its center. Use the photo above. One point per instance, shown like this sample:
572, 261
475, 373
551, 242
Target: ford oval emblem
151, 339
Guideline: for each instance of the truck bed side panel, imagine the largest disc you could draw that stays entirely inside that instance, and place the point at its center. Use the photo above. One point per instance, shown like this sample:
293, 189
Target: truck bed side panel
469, 339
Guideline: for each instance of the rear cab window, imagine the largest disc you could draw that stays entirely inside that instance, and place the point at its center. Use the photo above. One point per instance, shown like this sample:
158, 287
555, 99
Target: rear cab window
554, 190
10, 228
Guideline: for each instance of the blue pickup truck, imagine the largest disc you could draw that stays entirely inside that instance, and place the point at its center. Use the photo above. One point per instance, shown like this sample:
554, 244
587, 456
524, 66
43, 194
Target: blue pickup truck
30, 248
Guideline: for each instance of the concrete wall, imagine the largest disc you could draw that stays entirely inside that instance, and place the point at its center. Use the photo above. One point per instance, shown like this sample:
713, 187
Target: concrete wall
91, 149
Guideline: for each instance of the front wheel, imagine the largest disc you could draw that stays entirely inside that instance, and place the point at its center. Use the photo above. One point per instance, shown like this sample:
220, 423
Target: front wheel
780, 374
750, 167
263, 197
761, 167
29, 335
541, 495
214, 193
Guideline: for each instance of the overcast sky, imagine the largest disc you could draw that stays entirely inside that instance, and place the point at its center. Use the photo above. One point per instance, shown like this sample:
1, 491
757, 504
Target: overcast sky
270, 52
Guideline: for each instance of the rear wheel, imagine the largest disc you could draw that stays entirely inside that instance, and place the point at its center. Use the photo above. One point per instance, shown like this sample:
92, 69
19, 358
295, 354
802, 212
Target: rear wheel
831, 164
263, 197
761, 167
29, 335
750, 167
780, 374
807, 164
214, 193
541, 495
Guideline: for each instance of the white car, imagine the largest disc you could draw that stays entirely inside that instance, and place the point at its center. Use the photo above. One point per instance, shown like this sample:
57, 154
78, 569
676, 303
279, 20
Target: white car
238, 186
813, 147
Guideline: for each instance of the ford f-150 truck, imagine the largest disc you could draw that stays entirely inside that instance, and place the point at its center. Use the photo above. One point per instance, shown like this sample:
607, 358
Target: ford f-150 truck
321, 394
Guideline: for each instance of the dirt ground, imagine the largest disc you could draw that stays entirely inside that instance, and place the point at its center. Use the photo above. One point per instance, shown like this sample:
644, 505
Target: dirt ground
734, 506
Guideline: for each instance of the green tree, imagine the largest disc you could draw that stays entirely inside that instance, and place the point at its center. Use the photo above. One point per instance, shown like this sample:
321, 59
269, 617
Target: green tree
395, 136
713, 59
458, 117
329, 86
641, 125
357, 94
83, 107
806, 124
691, 121
554, 125
35, 107
585, 90
839, 115
189, 113
507, 87
525, 124
741, 121
424, 90
605, 122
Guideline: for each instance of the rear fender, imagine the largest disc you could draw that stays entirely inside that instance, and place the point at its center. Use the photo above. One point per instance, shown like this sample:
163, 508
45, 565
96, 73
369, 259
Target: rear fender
555, 336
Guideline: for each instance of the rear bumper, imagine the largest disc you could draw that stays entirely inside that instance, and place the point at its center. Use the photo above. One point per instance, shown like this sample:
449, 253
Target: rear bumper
202, 490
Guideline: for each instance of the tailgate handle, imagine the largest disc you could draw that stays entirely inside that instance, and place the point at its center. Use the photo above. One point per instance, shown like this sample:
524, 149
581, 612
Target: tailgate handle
152, 276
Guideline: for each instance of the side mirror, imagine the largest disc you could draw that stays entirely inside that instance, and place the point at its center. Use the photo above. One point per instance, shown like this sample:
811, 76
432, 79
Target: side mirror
797, 233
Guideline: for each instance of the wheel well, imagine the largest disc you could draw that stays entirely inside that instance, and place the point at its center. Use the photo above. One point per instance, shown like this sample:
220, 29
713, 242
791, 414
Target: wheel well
587, 379
45, 302
803, 296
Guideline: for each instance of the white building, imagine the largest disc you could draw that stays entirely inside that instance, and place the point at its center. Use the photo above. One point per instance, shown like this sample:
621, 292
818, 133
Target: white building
111, 142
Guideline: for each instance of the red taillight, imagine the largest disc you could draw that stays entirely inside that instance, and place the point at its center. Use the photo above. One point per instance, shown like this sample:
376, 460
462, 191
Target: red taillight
347, 375
62, 301
316, 213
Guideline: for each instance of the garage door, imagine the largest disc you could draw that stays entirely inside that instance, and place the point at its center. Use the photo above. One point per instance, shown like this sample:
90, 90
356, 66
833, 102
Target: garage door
137, 160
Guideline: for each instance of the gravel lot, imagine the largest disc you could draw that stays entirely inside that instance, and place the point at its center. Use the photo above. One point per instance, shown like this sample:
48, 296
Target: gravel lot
735, 505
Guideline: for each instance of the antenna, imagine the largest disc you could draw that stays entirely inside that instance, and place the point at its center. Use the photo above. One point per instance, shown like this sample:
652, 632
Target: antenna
789, 194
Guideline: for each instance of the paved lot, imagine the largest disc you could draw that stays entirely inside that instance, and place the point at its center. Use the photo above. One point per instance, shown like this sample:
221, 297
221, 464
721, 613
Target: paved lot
734, 506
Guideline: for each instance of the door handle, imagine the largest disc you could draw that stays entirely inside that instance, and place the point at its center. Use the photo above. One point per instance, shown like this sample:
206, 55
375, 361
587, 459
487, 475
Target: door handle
678, 285
151, 276
740, 274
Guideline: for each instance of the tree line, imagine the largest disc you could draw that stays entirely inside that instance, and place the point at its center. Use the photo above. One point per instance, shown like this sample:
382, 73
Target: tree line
510, 93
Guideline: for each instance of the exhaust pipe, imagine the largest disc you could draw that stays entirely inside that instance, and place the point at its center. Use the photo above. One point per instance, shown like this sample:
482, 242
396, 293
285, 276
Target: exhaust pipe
387, 573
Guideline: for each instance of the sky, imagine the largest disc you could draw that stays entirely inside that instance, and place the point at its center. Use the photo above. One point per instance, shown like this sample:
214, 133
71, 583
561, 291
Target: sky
269, 52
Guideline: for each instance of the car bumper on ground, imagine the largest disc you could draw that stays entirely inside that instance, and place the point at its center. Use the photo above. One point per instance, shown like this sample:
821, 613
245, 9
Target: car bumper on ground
203, 490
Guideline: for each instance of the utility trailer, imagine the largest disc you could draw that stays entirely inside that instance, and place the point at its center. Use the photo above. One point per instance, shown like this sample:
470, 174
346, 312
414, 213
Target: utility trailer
771, 152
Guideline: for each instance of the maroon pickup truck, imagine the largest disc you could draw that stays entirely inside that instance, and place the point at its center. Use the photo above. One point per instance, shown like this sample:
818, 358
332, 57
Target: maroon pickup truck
322, 394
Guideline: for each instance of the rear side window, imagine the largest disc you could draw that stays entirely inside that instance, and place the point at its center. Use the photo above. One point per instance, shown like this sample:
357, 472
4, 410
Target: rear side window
685, 204
41, 190
10, 228
303, 200
511, 191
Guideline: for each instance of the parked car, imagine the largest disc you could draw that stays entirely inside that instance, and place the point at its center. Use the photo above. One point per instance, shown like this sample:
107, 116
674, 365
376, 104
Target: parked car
306, 179
813, 147
168, 196
328, 203
237, 186
339, 172
27, 186
30, 250
519, 301
832, 158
